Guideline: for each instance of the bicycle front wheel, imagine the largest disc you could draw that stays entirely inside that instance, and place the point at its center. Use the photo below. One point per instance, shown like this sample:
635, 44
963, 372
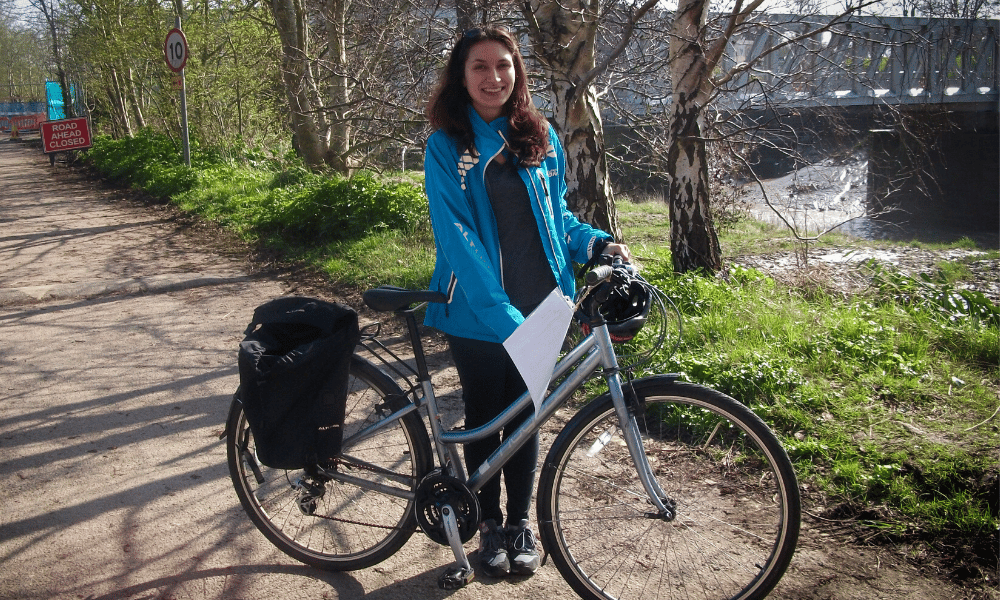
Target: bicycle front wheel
735, 492
330, 524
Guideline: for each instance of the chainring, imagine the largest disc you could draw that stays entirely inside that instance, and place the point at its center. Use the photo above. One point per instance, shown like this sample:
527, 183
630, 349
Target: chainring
436, 490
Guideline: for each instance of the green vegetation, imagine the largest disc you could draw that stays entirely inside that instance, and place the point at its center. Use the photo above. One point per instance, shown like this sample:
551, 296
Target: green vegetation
883, 399
875, 397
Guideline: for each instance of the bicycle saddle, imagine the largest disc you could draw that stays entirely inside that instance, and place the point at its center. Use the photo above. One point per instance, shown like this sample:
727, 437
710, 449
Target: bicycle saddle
388, 298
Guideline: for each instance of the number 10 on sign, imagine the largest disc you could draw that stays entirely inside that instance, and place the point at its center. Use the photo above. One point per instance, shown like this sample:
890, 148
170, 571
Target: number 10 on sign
175, 50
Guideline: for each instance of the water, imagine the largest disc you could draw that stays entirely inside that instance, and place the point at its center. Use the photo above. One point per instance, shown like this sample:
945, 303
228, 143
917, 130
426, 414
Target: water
922, 229
834, 195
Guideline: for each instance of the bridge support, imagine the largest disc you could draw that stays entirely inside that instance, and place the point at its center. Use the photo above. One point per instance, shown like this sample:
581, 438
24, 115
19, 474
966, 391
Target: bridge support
951, 177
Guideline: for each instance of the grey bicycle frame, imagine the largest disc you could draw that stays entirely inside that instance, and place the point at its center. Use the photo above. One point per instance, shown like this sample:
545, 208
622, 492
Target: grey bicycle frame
595, 351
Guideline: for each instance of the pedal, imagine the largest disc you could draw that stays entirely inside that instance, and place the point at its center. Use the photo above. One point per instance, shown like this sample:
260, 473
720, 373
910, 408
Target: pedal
455, 577
460, 573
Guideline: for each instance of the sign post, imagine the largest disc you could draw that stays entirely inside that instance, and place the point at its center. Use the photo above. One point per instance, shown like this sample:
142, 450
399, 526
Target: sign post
175, 51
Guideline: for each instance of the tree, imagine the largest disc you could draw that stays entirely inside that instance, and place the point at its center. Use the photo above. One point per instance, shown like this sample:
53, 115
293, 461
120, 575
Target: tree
232, 75
291, 20
694, 243
467, 14
957, 9
22, 74
51, 11
701, 72
356, 75
106, 44
563, 42
564, 37
114, 51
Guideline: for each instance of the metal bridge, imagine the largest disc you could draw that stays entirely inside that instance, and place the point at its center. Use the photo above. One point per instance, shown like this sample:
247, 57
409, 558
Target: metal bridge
799, 61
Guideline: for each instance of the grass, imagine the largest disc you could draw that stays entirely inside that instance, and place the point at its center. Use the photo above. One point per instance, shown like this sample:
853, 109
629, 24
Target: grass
365, 262
883, 400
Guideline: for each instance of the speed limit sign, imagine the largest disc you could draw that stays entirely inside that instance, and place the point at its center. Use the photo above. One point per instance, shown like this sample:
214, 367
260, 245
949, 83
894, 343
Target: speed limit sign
175, 50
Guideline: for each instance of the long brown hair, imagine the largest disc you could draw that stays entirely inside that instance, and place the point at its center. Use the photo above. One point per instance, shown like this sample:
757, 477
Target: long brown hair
528, 135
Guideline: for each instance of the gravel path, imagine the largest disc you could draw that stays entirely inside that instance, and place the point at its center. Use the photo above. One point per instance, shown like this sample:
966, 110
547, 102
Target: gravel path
119, 324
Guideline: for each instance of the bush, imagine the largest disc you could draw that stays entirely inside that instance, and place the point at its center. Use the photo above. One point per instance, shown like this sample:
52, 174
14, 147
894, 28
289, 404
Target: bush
261, 200
317, 209
149, 161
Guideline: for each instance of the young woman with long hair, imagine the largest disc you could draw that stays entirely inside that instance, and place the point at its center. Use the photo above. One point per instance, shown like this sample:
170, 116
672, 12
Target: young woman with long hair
504, 239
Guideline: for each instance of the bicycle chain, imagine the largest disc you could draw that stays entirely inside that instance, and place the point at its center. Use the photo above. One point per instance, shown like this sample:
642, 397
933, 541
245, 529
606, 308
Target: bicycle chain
348, 521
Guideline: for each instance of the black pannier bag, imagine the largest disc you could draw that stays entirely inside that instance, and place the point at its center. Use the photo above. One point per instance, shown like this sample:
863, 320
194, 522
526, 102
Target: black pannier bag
294, 364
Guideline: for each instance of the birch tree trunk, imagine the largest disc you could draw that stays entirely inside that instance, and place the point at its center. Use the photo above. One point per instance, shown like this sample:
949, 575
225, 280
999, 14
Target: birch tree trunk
339, 90
563, 37
136, 99
290, 19
694, 243
120, 101
49, 11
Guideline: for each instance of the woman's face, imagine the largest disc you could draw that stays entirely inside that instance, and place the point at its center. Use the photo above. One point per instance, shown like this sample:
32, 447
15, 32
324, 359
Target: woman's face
489, 78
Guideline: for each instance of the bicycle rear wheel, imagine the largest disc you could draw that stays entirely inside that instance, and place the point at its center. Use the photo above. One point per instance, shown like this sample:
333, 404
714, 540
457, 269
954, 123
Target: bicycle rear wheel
737, 501
330, 524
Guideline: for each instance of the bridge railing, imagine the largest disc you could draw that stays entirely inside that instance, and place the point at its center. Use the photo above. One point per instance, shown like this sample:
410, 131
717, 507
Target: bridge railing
796, 60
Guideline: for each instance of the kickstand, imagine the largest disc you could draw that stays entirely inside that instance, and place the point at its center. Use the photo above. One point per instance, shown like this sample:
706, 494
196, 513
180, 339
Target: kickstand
460, 573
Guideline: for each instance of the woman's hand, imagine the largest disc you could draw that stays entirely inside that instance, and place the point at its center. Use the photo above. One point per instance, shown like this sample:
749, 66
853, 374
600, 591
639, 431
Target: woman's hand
618, 250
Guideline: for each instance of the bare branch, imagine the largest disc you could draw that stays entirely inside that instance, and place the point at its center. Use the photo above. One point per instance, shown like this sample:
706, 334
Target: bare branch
623, 42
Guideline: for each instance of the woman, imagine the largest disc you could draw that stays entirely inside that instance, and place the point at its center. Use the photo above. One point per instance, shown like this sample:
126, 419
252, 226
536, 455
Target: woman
495, 179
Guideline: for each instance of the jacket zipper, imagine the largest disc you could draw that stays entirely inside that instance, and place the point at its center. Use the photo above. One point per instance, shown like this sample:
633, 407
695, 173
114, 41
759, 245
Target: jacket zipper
496, 226
541, 207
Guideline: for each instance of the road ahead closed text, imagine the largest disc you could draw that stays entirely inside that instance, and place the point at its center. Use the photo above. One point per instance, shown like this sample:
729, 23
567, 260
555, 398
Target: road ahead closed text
67, 134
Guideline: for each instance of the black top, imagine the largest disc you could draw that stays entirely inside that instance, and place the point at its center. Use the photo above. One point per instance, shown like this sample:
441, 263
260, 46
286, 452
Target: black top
527, 276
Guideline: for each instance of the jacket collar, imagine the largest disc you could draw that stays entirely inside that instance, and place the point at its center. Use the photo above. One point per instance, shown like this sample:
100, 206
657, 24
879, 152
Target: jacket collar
489, 136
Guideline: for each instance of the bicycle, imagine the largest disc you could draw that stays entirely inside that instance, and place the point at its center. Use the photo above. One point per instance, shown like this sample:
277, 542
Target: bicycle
654, 489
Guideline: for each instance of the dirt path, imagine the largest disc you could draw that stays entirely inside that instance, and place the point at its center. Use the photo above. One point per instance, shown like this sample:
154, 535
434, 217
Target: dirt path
118, 329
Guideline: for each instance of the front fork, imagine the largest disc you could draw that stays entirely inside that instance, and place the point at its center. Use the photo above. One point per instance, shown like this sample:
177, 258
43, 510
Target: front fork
627, 405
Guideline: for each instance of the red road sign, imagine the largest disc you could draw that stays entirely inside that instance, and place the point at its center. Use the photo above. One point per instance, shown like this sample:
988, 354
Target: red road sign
175, 50
65, 134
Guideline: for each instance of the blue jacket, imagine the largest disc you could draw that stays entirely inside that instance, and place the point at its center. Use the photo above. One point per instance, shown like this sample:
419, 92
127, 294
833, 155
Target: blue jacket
469, 264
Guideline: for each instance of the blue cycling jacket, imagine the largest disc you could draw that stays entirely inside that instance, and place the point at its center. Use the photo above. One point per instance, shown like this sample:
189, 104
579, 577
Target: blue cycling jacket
469, 268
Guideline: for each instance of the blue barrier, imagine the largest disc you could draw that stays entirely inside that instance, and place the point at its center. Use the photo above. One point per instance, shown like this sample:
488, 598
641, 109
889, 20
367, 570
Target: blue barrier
10, 109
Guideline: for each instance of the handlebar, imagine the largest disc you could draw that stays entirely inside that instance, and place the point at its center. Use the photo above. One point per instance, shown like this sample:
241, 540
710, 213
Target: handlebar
604, 271
599, 274
600, 282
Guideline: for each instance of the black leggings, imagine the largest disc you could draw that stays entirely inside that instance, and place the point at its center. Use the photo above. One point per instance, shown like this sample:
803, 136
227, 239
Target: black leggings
491, 383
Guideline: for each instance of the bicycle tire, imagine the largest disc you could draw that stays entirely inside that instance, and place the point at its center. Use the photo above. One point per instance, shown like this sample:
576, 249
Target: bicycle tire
343, 527
737, 500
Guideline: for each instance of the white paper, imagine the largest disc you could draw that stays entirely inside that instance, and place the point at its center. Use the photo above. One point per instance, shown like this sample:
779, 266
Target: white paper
535, 344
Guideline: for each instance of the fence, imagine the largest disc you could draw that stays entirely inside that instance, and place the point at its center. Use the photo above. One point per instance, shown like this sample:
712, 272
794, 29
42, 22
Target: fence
27, 105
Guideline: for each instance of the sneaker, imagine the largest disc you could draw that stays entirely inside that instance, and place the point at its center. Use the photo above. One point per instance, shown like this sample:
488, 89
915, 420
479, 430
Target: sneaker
522, 548
493, 549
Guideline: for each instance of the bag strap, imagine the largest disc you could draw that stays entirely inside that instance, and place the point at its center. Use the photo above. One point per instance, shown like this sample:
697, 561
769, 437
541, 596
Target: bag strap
325, 316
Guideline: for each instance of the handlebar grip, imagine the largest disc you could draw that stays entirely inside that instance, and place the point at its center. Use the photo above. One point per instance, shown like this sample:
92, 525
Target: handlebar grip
599, 274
